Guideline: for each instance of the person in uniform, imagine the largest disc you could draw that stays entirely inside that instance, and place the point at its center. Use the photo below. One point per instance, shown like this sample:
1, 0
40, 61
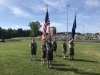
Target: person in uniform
64, 49
54, 45
43, 48
49, 54
33, 49
71, 49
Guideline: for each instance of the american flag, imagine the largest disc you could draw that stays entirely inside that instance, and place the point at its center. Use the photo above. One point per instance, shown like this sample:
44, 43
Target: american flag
44, 27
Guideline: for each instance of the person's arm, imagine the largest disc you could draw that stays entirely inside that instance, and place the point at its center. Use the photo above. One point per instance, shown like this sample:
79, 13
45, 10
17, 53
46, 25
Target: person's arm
71, 41
46, 46
66, 45
30, 46
62, 47
42, 48
36, 46
51, 46
73, 44
56, 44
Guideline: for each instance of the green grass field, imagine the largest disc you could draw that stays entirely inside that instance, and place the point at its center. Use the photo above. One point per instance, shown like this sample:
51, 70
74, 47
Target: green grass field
15, 60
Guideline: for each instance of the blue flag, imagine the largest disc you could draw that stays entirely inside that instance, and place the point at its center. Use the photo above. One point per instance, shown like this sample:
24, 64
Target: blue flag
74, 27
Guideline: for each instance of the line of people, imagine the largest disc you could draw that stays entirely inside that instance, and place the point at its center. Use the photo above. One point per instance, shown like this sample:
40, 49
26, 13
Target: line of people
49, 48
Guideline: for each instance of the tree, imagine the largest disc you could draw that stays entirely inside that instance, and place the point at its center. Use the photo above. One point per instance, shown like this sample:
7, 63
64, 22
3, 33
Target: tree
20, 32
35, 26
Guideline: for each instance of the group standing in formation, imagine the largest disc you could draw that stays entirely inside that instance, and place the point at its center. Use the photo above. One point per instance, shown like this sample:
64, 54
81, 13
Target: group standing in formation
48, 50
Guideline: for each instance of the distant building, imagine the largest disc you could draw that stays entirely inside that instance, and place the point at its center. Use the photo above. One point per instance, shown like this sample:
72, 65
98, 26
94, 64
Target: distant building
52, 30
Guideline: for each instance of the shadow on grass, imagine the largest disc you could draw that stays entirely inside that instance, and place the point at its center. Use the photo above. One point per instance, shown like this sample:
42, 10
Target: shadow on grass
83, 60
65, 69
77, 71
38, 60
60, 65
45, 60
61, 56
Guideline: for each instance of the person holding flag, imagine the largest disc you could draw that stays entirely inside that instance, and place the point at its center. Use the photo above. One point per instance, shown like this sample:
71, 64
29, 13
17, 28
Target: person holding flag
49, 54
71, 49
71, 41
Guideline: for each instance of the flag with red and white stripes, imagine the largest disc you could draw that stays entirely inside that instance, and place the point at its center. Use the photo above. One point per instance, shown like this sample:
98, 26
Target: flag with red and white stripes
44, 27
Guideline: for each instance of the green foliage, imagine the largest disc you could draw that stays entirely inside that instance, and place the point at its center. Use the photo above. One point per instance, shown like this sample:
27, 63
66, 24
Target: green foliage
10, 33
35, 26
15, 60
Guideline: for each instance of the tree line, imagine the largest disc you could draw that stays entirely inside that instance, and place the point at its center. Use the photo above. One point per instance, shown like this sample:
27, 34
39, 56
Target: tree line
10, 33
32, 32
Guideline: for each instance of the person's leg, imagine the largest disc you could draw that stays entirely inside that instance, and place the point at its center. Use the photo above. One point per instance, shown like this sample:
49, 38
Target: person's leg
48, 59
64, 55
47, 63
42, 61
73, 54
72, 57
53, 53
50, 62
44, 56
35, 57
31, 56
69, 57
70, 53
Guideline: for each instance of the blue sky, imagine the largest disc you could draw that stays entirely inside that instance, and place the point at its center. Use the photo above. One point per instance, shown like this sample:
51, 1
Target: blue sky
18, 13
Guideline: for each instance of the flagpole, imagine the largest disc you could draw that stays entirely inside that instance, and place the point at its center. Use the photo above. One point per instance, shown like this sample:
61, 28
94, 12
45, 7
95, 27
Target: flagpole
46, 10
75, 13
49, 25
67, 19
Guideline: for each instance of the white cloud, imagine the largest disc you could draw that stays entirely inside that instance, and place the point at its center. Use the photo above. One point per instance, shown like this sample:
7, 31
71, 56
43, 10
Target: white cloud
56, 24
92, 3
73, 9
16, 27
84, 16
56, 4
51, 3
18, 12
37, 6
14, 9
1, 1
98, 23
6, 2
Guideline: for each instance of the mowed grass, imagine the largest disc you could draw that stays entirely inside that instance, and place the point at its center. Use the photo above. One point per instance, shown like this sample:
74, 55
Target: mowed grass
15, 60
